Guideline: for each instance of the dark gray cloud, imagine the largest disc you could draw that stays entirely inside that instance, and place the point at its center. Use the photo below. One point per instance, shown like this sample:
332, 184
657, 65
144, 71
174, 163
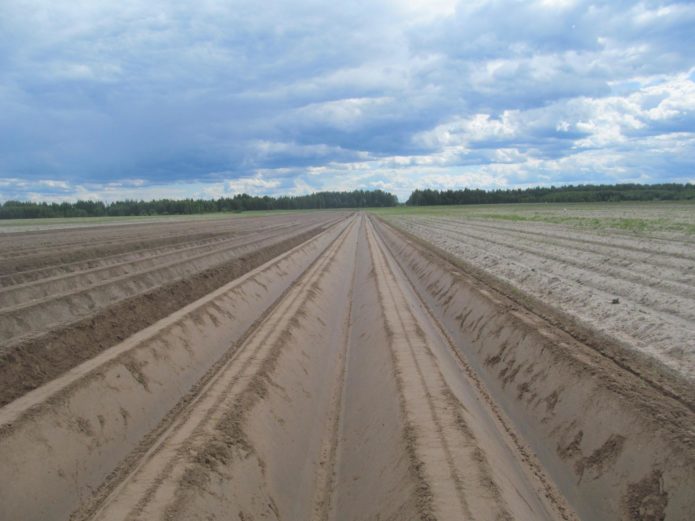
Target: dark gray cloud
131, 98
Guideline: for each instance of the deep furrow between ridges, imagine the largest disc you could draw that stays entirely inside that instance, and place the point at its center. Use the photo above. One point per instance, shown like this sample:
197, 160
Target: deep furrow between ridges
31, 363
622, 240
38, 275
590, 394
51, 287
627, 246
326, 472
666, 285
276, 324
133, 233
609, 347
144, 346
246, 241
126, 243
434, 384
424, 499
578, 236
270, 265
397, 298
416, 340
85, 301
525, 457
375, 468
614, 256
139, 242
608, 290
34, 249
175, 446
231, 426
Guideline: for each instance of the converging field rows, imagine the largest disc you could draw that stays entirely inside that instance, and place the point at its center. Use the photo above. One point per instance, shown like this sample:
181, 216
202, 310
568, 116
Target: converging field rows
352, 375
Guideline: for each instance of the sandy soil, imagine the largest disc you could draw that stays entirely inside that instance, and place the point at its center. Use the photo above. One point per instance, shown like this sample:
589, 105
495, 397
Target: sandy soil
351, 376
638, 289
59, 314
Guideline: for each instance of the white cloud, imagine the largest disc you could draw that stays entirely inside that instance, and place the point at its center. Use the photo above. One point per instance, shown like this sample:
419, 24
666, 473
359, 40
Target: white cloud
251, 185
147, 99
462, 131
343, 114
557, 4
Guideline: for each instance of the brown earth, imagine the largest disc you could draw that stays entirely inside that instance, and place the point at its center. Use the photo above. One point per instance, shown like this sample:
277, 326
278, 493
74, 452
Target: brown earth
349, 375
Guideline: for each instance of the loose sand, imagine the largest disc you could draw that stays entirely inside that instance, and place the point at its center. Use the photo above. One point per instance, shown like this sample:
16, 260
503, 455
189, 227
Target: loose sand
637, 288
337, 370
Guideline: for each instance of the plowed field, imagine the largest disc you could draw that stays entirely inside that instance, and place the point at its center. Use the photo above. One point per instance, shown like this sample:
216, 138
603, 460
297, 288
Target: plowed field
322, 366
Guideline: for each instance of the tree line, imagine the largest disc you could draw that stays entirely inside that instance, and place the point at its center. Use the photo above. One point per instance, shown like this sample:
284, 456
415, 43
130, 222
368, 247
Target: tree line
354, 199
556, 194
238, 203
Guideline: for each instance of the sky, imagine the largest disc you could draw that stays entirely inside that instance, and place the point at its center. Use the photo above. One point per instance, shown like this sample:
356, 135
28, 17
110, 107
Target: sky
117, 99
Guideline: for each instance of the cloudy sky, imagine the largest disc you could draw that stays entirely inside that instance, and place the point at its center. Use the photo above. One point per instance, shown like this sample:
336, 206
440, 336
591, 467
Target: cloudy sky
147, 98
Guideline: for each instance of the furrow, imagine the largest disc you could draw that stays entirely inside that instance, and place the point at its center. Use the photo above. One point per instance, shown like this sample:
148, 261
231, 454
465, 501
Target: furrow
611, 440
77, 442
95, 263
620, 244
658, 324
41, 315
29, 364
420, 352
24, 293
628, 261
335, 368
659, 294
211, 441
139, 238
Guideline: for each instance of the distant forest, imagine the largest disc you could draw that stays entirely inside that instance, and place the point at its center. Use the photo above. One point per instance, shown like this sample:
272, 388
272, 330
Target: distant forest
238, 203
354, 199
556, 194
